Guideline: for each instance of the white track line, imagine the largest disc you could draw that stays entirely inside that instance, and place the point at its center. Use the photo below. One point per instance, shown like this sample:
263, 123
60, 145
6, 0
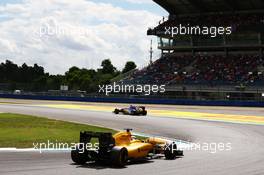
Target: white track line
14, 150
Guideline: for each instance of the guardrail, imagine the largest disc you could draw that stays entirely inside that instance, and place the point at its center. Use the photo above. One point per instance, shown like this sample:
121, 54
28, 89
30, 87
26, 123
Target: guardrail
139, 100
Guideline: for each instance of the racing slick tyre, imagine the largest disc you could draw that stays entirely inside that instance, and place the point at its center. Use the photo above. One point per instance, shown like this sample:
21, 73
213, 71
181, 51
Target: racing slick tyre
170, 151
119, 156
78, 155
116, 111
144, 113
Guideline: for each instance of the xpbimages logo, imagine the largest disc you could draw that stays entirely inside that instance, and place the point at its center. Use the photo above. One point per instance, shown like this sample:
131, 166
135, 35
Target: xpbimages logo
197, 30
125, 88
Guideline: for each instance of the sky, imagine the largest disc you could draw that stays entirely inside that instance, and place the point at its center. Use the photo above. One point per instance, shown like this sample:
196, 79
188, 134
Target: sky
59, 34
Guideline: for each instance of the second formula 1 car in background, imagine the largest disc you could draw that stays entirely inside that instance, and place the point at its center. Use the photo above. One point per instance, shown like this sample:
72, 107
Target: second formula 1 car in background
131, 110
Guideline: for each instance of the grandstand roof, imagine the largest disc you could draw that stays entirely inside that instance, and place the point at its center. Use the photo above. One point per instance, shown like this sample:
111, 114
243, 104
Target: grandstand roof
210, 6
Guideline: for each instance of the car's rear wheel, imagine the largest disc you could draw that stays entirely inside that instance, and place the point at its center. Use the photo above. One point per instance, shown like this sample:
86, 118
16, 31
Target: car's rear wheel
170, 151
78, 155
119, 156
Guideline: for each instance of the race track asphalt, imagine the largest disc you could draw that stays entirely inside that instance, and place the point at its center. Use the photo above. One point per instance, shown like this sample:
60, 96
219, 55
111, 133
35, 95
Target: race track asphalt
245, 158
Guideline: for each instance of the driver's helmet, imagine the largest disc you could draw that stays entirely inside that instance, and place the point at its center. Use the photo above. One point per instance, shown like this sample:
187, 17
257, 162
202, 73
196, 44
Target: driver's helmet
132, 107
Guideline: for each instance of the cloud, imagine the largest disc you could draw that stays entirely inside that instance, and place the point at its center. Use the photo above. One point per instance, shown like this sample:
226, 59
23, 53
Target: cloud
59, 34
140, 1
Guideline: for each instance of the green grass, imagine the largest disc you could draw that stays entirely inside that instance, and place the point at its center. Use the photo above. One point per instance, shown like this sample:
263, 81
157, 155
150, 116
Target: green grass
21, 131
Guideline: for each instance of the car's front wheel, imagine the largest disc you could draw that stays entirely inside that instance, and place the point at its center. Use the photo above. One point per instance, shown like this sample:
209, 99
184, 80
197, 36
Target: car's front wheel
116, 111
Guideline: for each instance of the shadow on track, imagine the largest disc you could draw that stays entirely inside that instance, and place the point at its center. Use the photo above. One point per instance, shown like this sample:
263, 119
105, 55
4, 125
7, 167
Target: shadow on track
103, 165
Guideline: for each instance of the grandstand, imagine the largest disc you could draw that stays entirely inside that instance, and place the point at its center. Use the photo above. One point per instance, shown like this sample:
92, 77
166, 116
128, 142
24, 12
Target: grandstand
230, 63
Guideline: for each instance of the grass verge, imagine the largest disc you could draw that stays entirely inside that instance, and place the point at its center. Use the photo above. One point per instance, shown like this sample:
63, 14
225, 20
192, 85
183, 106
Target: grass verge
21, 131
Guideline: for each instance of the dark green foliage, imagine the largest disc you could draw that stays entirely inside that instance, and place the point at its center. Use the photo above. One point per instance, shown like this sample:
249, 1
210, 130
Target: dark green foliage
10, 72
34, 78
107, 67
130, 65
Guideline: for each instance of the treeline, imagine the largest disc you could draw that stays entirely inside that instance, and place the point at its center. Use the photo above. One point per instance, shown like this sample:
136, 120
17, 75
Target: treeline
34, 78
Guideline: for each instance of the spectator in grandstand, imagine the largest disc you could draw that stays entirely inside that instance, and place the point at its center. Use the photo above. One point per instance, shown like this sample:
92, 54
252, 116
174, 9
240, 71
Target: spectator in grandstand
210, 70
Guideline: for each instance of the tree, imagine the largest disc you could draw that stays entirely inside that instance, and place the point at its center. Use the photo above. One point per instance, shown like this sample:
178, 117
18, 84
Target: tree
38, 71
130, 65
34, 78
105, 79
107, 67
55, 81
73, 69
10, 71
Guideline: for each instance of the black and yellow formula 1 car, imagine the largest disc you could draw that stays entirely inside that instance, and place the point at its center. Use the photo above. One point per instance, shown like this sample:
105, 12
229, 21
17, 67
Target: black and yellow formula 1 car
132, 110
122, 147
